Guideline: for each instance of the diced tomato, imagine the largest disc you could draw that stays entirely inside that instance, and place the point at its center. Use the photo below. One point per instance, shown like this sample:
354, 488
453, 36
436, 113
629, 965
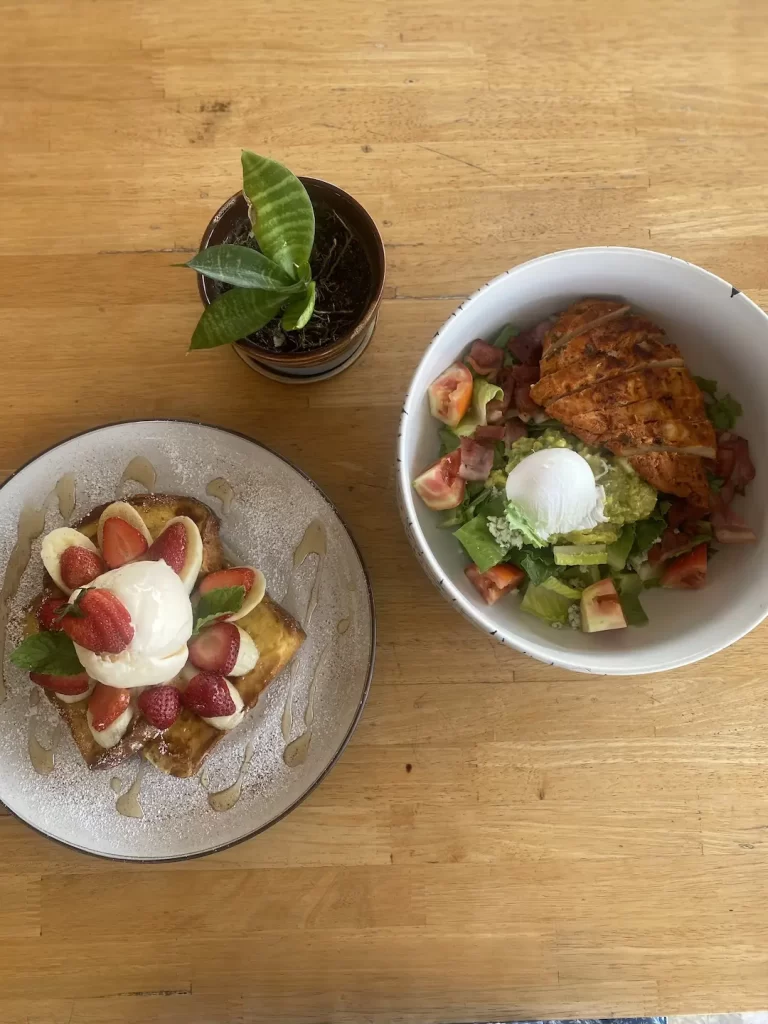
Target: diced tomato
601, 608
496, 582
440, 487
450, 394
485, 359
688, 572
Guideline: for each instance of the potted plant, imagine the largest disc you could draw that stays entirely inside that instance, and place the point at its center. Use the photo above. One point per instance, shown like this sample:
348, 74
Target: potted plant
292, 272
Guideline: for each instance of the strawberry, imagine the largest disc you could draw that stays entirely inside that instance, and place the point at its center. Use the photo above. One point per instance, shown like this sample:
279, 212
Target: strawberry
68, 685
238, 577
79, 566
215, 648
171, 546
160, 705
121, 542
98, 621
106, 705
47, 616
207, 694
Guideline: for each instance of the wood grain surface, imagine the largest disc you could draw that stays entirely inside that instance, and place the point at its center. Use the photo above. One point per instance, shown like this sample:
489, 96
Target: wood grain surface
501, 839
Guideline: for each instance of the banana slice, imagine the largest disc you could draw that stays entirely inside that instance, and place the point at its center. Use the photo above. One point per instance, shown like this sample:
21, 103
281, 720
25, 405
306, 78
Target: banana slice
247, 655
53, 547
114, 732
122, 510
73, 698
193, 551
226, 722
254, 596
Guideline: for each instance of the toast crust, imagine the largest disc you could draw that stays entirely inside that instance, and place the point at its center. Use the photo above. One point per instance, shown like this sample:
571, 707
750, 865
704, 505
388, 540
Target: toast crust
181, 749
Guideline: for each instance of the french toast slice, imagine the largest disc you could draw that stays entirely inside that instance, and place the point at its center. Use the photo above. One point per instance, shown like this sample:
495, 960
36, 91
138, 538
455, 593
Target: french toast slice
182, 748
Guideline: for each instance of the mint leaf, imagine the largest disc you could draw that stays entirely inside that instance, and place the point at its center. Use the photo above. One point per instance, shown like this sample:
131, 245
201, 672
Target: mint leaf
724, 412
52, 654
708, 386
215, 603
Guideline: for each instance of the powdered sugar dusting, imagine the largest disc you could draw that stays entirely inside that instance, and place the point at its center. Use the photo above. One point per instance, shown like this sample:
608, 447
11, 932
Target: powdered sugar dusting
274, 505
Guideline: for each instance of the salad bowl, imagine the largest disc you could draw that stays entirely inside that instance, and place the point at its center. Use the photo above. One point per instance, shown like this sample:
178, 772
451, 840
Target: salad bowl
723, 336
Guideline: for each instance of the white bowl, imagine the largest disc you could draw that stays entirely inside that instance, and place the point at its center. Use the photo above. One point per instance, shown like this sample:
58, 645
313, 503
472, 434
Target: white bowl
723, 335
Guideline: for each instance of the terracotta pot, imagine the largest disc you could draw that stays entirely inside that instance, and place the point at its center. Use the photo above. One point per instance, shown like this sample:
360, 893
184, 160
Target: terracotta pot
328, 360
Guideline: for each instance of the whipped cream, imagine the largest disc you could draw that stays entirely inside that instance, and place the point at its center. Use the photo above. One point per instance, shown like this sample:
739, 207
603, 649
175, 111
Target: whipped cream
161, 614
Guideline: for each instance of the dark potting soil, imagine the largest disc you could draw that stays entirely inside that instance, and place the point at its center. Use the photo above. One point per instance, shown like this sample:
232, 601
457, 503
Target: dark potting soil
342, 277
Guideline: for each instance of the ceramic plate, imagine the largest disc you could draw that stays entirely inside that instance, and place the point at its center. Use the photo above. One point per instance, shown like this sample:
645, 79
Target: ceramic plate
273, 506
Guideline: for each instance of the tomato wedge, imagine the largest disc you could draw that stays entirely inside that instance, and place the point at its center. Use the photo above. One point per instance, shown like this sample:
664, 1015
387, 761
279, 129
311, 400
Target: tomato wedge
688, 572
440, 487
450, 394
496, 582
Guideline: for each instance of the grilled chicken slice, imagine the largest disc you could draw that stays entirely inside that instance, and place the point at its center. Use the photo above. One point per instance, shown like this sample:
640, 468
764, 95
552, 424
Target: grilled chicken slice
586, 372
609, 423
682, 475
609, 338
577, 319
612, 378
638, 386
681, 436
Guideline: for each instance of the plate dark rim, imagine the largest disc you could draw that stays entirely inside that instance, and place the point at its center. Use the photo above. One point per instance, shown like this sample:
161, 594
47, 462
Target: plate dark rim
371, 656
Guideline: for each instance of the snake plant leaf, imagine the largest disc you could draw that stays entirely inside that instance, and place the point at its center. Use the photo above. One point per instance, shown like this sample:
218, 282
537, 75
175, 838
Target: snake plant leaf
281, 212
235, 314
299, 310
240, 266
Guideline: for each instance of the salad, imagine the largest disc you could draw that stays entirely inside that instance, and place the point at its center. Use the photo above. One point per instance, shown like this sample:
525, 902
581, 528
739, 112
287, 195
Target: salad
581, 517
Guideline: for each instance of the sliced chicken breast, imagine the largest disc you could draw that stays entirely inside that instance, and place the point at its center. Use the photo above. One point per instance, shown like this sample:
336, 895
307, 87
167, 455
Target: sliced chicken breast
682, 475
636, 386
611, 338
586, 372
578, 318
612, 422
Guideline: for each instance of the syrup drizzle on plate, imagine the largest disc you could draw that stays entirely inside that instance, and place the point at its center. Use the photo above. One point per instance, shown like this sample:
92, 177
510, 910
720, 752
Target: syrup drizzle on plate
128, 803
43, 758
141, 471
296, 751
225, 799
223, 490
31, 525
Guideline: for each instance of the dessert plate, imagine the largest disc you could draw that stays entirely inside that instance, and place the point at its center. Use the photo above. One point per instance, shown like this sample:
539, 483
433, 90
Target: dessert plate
272, 516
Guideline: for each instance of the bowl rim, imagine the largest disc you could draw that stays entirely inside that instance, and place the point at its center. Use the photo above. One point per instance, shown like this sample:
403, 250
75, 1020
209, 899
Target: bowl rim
538, 651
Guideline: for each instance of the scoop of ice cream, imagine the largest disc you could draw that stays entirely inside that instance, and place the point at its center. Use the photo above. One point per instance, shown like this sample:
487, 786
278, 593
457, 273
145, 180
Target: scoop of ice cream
161, 614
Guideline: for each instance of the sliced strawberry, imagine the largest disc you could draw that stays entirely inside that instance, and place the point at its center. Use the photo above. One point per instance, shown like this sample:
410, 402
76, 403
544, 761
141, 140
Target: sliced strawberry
79, 566
207, 694
121, 542
215, 648
47, 613
98, 621
239, 577
106, 704
68, 685
160, 705
171, 546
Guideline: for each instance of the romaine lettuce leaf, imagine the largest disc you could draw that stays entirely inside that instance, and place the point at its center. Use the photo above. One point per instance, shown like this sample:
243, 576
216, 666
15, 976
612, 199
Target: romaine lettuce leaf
483, 392
480, 544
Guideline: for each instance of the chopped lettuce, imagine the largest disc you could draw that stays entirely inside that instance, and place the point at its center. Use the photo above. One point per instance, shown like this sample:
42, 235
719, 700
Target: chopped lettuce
630, 586
708, 386
562, 588
507, 331
483, 392
618, 552
538, 565
724, 412
580, 554
480, 544
449, 441
546, 604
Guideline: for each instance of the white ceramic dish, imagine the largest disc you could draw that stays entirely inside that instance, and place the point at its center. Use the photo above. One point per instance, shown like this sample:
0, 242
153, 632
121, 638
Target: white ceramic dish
723, 335
273, 505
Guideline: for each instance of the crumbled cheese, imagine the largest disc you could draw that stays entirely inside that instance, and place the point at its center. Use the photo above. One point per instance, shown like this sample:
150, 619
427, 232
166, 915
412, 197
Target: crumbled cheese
502, 532
556, 625
574, 617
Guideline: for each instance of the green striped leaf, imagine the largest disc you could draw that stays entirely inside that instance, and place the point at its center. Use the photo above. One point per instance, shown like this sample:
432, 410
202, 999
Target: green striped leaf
234, 314
299, 310
242, 267
281, 212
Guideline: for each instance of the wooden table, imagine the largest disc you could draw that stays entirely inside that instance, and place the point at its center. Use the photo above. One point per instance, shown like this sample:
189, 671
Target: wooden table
501, 839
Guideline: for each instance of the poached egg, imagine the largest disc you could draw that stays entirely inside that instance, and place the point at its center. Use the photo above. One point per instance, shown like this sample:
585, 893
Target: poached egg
556, 491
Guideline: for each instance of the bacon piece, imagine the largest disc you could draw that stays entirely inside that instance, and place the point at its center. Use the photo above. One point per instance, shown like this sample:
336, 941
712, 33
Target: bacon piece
527, 345
729, 527
489, 434
514, 429
485, 359
476, 459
